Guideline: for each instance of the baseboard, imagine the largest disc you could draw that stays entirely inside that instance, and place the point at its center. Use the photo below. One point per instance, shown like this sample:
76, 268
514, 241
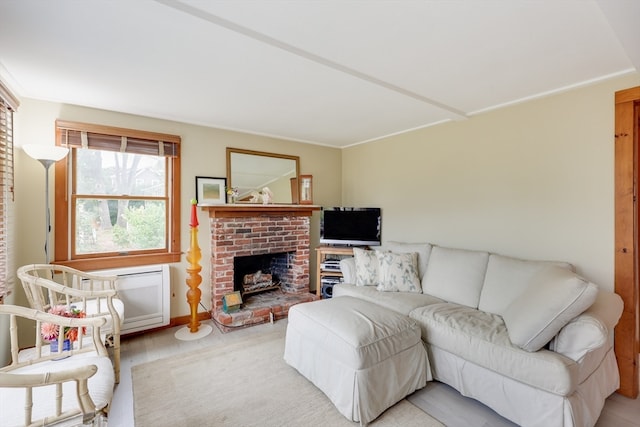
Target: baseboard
185, 320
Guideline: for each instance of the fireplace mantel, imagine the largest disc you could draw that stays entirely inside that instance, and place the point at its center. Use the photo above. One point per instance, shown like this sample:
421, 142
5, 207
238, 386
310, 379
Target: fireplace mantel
239, 210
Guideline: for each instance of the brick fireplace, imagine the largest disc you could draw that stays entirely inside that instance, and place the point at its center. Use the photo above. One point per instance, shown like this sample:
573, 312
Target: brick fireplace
246, 230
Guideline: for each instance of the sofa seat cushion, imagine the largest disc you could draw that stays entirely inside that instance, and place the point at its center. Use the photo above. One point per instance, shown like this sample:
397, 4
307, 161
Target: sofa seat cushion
100, 388
482, 338
455, 275
401, 302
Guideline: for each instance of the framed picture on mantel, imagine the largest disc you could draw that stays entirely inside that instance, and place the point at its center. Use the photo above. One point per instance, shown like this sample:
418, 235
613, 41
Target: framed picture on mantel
306, 189
211, 191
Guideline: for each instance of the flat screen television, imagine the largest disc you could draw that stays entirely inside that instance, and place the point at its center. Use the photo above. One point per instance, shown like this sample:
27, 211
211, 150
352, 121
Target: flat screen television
350, 226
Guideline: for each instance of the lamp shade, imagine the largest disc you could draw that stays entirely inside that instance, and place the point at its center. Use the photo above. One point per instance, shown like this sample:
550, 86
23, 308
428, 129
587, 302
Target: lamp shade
45, 152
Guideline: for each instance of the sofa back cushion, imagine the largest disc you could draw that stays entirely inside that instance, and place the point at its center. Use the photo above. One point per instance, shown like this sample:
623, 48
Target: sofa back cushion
455, 275
507, 278
553, 297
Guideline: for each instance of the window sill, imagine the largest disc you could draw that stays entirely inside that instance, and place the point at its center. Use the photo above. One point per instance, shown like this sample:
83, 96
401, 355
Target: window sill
90, 264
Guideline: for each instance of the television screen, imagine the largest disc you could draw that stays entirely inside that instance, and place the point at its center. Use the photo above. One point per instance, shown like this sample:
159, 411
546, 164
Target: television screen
350, 226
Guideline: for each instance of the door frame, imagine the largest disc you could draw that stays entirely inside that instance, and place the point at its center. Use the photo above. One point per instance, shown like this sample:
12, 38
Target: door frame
626, 257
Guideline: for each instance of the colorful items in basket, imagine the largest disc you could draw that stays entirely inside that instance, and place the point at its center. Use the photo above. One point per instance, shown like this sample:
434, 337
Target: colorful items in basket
51, 331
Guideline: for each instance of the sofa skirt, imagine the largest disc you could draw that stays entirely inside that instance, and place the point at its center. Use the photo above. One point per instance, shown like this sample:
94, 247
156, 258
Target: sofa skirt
523, 404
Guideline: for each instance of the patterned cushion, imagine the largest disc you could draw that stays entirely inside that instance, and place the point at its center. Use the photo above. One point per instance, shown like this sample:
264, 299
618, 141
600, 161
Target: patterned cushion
367, 267
398, 272
422, 249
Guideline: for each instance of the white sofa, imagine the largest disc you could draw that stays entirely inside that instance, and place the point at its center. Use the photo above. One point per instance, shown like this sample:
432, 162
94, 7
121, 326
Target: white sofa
530, 339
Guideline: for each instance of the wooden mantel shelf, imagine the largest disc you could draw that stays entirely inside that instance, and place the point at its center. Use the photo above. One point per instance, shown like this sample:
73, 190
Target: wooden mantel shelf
257, 210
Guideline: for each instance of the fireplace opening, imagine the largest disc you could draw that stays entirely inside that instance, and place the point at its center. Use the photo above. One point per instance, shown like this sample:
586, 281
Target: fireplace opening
254, 274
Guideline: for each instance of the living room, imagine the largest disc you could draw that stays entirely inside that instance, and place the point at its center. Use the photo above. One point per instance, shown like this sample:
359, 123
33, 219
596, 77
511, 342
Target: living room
530, 178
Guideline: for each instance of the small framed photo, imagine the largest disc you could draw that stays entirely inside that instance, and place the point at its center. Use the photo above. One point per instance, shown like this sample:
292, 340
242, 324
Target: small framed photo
211, 191
295, 191
306, 189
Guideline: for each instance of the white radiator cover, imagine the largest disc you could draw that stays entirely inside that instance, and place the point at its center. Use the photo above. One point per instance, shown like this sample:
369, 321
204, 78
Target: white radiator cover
145, 291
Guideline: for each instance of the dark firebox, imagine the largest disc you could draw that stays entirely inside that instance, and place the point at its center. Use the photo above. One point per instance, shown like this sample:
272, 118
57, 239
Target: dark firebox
260, 273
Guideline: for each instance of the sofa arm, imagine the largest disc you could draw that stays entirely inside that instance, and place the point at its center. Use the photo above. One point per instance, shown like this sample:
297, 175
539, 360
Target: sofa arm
348, 269
591, 329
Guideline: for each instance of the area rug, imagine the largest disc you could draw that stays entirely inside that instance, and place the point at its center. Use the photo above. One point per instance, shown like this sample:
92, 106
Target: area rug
243, 384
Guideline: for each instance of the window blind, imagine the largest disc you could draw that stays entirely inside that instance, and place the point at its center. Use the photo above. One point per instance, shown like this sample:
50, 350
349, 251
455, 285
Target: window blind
7, 248
81, 135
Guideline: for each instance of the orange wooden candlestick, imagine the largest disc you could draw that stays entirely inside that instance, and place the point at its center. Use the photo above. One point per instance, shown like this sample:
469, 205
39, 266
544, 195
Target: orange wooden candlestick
193, 270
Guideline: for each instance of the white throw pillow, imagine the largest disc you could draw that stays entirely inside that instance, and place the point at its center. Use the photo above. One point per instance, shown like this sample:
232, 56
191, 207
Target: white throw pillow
398, 272
553, 298
422, 249
367, 267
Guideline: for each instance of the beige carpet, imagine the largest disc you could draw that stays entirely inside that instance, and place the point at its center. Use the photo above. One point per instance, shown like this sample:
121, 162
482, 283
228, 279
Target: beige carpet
243, 384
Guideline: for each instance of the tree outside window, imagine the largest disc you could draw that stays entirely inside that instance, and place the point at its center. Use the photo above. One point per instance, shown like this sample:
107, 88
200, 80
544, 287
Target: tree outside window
118, 208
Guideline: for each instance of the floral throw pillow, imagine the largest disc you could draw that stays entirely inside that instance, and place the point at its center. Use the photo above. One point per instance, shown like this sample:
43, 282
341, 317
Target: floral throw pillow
367, 270
398, 272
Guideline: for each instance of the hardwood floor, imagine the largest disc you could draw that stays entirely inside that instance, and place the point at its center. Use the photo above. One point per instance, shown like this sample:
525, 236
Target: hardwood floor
439, 400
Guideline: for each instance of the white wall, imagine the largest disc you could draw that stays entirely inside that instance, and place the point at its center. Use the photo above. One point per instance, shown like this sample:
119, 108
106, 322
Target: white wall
203, 154
533, 180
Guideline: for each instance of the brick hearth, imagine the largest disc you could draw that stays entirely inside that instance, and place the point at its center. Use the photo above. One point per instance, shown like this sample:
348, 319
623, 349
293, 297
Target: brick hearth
241, 230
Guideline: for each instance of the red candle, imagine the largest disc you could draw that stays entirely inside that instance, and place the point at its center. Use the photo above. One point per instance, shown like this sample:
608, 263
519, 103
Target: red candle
194, 214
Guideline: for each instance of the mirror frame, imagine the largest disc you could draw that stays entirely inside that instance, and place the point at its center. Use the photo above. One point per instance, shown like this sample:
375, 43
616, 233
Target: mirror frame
231, 151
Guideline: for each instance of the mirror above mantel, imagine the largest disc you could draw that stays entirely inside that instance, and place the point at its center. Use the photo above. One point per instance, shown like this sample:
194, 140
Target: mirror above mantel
250, 171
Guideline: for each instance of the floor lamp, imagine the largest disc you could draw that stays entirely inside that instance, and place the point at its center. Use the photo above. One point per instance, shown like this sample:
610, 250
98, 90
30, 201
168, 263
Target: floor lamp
47, 155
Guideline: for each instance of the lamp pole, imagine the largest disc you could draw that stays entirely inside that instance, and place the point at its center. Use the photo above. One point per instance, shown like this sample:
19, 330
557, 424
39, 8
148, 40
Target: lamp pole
47, 155
47, 164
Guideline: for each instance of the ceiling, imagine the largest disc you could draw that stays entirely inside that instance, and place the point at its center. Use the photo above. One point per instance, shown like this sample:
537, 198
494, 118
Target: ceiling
331, 72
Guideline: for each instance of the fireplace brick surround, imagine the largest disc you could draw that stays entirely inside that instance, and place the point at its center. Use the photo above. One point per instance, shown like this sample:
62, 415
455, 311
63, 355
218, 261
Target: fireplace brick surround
241, 230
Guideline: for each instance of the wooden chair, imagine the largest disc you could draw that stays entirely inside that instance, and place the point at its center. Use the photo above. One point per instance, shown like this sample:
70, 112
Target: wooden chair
41, 387
48, 285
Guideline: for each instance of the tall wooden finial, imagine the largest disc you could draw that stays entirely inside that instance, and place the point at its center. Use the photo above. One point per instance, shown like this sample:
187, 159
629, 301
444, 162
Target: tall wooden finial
193, 270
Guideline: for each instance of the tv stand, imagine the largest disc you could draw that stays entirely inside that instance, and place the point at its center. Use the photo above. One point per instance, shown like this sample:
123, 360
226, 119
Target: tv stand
324, 253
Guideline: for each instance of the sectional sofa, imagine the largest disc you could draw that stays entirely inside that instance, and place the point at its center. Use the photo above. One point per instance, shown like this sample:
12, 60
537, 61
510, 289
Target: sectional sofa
530, 339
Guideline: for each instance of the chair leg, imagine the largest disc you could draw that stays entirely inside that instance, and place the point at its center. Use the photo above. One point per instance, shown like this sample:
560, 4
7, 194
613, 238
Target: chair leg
116, 357
113, 341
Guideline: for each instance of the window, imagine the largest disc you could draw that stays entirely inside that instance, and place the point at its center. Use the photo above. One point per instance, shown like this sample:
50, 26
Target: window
8, 104
117, 197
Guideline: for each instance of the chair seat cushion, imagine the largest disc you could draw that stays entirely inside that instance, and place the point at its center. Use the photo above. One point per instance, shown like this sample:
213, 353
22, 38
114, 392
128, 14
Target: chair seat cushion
12, 400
